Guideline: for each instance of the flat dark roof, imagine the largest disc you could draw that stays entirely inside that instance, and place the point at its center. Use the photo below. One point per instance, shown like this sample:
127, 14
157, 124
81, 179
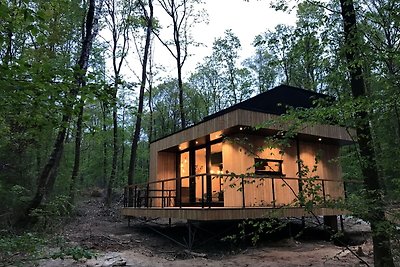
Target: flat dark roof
274, 101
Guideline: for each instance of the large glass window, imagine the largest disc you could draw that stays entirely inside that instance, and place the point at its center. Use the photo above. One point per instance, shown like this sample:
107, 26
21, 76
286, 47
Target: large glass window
203, 166
216, 167
184, 171
200, 170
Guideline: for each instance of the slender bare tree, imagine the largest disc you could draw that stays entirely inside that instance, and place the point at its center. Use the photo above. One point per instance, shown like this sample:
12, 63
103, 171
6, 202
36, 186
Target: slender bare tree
147, 11
119, 26
183, 16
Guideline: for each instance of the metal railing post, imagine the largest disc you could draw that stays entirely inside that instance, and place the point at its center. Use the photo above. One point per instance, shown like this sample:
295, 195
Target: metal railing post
244, 204
162, 194
169, 199
180, 193
273, 192
202, 191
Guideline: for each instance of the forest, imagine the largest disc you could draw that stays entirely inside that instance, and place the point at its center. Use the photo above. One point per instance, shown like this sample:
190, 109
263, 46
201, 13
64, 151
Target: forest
70, 119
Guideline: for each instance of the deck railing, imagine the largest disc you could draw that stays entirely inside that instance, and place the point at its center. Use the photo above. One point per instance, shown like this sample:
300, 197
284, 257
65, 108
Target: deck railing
171, 193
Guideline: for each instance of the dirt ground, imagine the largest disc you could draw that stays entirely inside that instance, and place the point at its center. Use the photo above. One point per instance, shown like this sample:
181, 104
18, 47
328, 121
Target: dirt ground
145, 244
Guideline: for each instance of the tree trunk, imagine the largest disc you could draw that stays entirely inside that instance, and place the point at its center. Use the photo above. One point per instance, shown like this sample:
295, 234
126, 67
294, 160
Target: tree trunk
178, 64
233, 86
171, 7
8, 57
123, 141
77, 156
49, 172
115, 149
180, 86
104, 180
151, 116
381, 238
117, 28
138, 125
150, 80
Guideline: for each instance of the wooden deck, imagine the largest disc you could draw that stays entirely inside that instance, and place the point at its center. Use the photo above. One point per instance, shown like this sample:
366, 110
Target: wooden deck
157, 200
224, 213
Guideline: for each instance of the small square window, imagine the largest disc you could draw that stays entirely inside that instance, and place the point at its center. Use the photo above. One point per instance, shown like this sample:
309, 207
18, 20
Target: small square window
268, 166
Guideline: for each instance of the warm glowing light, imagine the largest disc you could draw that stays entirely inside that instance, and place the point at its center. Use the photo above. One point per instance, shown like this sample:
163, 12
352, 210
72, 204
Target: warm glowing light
211, 171
197, 142
320, 139
241, 128
215, 135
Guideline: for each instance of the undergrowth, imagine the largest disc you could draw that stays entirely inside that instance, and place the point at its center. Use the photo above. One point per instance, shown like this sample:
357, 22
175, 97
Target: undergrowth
25, 247
28, 248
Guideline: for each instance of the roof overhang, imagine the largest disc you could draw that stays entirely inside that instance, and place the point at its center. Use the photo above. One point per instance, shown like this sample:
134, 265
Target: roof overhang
250, 122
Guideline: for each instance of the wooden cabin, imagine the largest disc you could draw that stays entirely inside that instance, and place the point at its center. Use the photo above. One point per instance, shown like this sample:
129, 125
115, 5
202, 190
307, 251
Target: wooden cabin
223, 168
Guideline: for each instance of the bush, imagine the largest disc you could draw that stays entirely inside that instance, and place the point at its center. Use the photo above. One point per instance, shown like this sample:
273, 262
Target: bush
13, 201
19, 248
50, 215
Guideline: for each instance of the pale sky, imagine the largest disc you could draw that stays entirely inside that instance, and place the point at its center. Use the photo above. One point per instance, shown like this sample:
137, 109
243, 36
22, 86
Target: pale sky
246, 19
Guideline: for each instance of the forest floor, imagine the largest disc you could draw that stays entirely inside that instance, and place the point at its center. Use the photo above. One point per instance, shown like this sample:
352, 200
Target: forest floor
107, 233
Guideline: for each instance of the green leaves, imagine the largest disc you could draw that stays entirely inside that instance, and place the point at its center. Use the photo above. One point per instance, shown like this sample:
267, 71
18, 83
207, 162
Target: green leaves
254, 230
77, 253
219, 79
27, 246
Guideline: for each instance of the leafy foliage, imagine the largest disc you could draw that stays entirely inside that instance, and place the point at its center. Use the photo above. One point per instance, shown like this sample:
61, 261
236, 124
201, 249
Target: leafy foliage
76, 253
253, 230
29, 248
13, 247
39, 44
51, 214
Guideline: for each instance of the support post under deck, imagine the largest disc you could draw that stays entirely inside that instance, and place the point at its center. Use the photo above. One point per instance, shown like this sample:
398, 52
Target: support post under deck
331, 223
190, 235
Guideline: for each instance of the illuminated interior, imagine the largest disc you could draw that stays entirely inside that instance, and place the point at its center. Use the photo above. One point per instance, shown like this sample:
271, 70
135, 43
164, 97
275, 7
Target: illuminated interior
215, 135
185, 168
206, 172
200, 168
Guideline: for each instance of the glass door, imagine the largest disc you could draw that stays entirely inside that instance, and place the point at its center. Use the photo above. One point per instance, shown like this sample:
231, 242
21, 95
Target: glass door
216, 181
199, 171
183, 185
